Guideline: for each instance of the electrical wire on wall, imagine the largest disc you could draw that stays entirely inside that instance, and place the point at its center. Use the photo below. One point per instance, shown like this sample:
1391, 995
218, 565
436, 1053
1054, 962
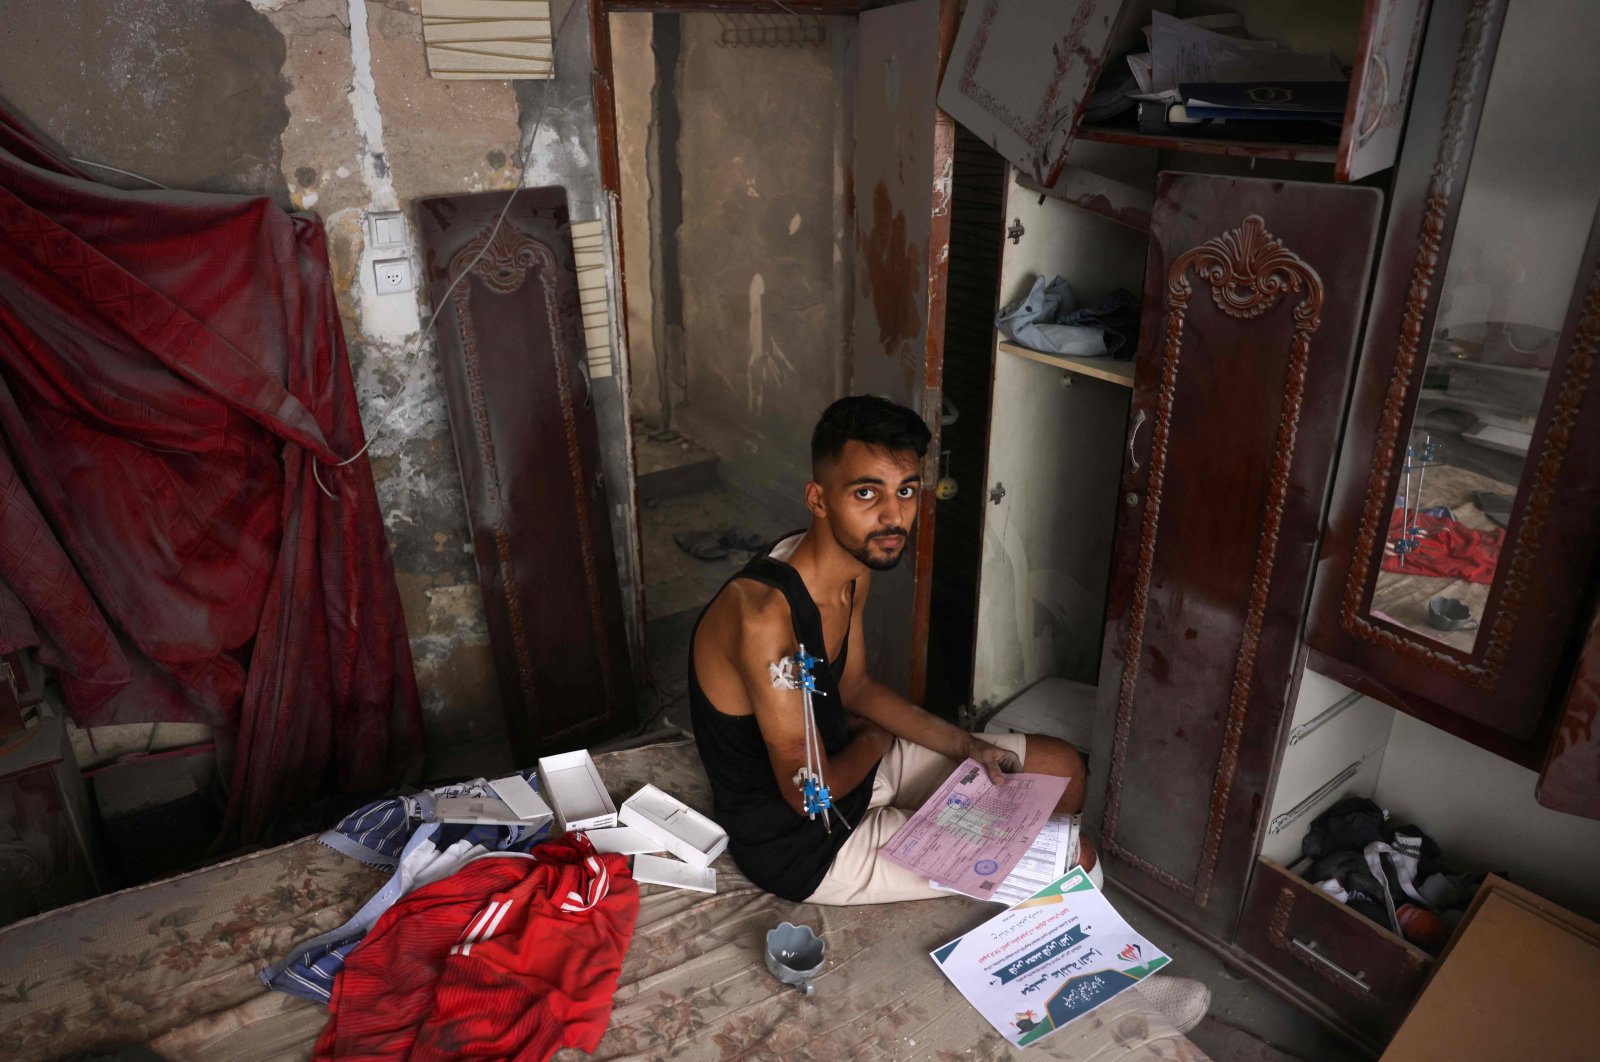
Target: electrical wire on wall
433, 316
114, 169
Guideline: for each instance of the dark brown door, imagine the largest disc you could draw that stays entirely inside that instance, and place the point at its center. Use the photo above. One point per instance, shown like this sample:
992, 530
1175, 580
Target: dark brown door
1253, 292
511, 351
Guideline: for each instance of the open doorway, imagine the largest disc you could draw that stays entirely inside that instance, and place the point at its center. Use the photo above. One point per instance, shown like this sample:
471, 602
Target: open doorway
734, 140
781, 188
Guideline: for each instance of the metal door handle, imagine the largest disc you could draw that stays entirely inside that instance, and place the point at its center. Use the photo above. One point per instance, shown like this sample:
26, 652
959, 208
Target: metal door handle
1133, 435
1309, 950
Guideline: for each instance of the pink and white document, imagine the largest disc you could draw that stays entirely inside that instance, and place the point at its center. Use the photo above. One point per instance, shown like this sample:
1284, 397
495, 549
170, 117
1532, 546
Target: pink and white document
971, 832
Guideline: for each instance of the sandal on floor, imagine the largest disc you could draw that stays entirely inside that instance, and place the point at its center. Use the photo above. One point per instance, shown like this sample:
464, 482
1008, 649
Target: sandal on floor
702, 545
743, 541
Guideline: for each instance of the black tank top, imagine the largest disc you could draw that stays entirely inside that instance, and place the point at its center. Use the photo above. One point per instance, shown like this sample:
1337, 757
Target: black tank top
779, 850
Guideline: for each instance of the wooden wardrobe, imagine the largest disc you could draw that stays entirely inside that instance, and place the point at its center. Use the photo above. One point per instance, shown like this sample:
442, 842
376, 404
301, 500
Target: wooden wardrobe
1207, 535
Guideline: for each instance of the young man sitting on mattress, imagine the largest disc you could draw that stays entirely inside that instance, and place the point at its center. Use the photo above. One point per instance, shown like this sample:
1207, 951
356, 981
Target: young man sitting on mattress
882, 756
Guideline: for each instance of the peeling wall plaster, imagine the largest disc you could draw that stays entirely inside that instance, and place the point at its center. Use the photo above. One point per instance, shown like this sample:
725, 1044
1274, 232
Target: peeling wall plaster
326, 105
635, 84
186, 92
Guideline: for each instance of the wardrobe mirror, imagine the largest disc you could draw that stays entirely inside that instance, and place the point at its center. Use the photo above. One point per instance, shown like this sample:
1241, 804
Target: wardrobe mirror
1472, 443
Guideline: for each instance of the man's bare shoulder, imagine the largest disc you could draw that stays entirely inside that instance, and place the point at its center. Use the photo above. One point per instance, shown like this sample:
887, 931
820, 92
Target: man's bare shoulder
745, 611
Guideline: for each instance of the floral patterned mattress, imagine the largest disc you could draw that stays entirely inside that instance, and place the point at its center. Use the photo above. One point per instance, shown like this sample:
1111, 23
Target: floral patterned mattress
173, 965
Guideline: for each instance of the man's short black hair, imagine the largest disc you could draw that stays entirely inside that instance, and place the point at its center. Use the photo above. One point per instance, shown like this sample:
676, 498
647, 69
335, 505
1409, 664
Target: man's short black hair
868, 419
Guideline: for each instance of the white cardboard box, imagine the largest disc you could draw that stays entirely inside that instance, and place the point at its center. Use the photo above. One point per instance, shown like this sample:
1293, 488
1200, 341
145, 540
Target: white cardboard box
681, 830
572, 787
624, 840
522, 800
478, 811
659, 870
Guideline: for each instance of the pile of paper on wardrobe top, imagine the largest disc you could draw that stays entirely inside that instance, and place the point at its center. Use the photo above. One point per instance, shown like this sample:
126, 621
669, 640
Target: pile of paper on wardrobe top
1207, 77
651, 823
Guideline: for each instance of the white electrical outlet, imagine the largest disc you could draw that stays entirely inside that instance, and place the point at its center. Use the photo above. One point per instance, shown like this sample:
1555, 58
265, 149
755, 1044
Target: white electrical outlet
392, 275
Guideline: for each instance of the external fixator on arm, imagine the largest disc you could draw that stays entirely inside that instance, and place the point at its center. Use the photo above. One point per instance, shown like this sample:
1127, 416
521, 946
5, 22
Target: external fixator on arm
798, 672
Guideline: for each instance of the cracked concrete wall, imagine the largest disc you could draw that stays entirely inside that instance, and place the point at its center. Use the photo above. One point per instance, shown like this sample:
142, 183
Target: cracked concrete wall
327, 106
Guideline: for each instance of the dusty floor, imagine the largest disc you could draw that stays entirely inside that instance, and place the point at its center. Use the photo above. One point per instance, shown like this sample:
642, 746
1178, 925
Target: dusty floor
1246, 1021
674, 581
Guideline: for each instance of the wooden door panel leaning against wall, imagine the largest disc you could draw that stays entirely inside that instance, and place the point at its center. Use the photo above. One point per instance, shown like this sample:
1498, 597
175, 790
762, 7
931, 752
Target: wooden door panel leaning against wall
1253, 291
510, 346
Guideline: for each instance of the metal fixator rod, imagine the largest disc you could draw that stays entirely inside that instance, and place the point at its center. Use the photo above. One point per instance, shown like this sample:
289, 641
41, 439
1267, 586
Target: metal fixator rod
798, 672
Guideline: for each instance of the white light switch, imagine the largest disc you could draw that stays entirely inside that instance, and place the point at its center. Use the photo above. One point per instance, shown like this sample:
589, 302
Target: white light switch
392, 276
387, 229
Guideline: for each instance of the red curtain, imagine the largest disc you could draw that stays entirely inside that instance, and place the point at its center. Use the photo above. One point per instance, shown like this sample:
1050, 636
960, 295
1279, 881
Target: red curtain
171, 367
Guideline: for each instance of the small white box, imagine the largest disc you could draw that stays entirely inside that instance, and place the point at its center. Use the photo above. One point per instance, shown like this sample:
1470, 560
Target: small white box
682, 830
624, 840
659, 870
521, 799
477, 811
572, 787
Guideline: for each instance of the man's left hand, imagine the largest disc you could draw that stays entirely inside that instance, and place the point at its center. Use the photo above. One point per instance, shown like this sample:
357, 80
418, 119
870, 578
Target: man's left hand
996, 760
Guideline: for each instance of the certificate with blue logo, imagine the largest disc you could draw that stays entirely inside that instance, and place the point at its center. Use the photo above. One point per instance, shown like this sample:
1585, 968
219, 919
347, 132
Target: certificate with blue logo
971, 833
1053, 957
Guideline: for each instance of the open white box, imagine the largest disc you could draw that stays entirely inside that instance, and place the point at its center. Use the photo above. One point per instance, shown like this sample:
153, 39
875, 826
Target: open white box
659, 870
572, 786
682, 830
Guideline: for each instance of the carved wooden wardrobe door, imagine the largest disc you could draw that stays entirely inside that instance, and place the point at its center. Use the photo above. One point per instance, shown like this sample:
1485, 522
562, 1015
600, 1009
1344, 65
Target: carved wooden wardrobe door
1253, 294
511, 350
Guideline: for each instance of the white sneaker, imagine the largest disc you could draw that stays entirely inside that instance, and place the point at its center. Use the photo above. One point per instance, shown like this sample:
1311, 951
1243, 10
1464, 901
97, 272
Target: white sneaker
1181, 1000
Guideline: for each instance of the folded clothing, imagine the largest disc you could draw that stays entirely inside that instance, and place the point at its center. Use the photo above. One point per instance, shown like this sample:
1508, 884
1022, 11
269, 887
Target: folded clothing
398, 832
1348, 826
1050, 319
513, 956
1391, 874
378, 832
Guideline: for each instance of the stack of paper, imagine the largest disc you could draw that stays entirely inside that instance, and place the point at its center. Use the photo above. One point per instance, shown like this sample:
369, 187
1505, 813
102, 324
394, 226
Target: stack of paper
1212, 48
1052, 852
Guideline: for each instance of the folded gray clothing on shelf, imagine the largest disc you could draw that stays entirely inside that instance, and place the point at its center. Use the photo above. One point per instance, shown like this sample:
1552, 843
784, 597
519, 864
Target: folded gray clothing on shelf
1050, 319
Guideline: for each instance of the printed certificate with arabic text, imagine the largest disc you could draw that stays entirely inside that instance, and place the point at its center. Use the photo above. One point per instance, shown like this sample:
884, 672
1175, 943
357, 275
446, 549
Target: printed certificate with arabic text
1053, 957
